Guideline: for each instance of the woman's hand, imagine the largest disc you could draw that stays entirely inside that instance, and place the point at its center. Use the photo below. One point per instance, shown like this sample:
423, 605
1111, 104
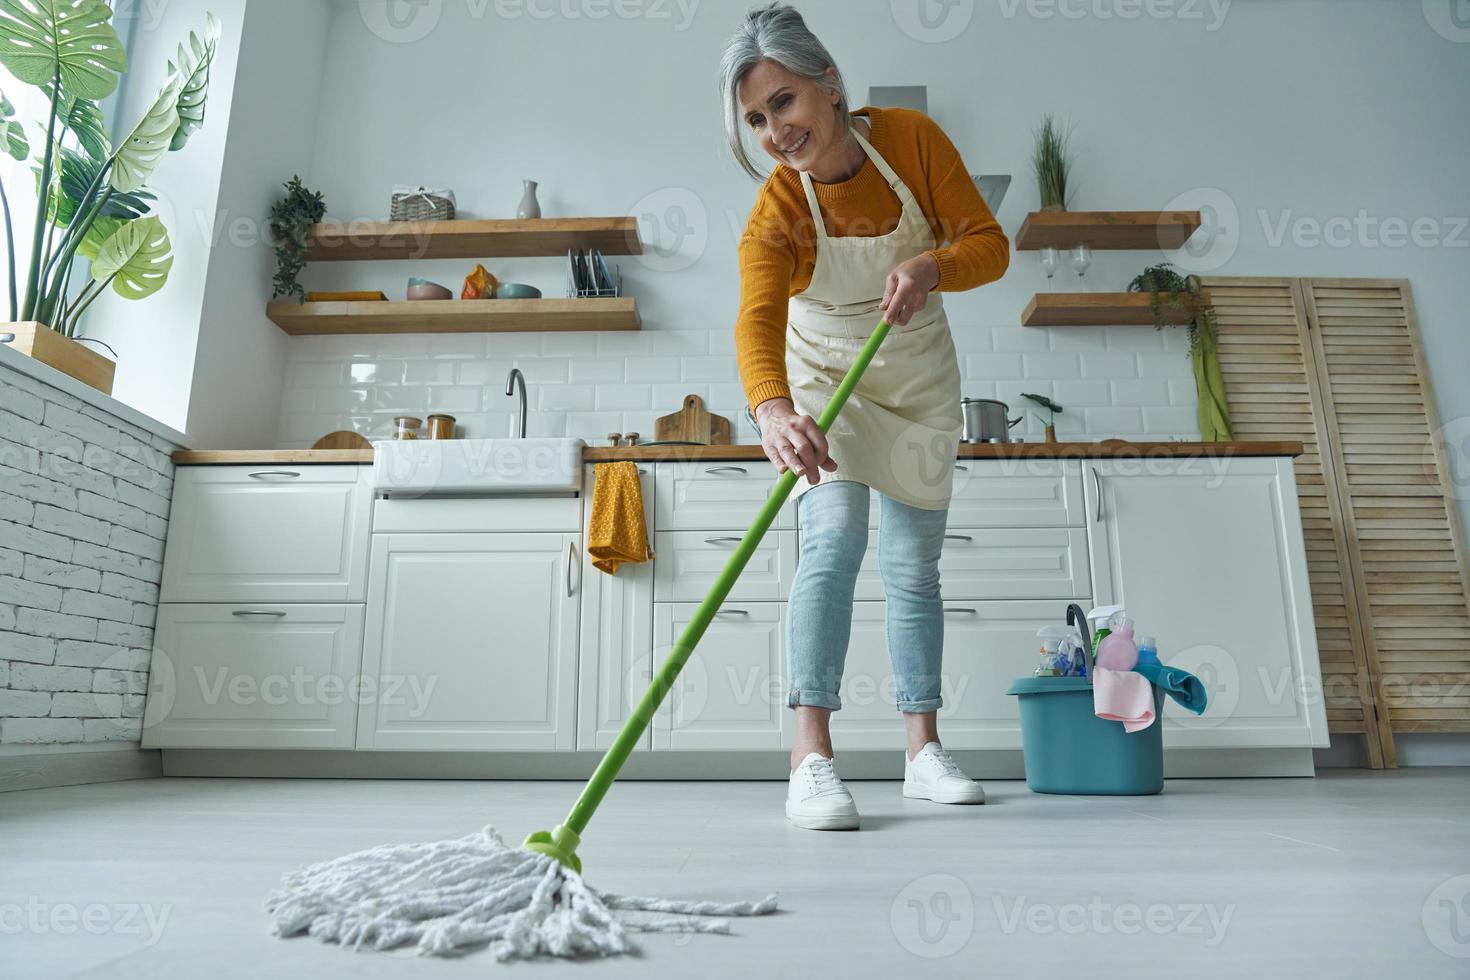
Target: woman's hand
791, 440
908, 288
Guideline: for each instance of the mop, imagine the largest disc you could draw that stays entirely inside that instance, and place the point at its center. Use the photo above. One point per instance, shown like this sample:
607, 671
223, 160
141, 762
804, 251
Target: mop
444, 896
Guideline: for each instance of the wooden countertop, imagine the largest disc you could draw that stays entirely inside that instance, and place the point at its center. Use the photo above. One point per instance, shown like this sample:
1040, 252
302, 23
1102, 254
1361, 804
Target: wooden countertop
752, 451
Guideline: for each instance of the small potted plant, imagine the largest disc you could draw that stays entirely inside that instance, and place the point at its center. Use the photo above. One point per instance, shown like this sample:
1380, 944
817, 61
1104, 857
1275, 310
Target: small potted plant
92, 200
1052, 164
1178, 299
1052, 410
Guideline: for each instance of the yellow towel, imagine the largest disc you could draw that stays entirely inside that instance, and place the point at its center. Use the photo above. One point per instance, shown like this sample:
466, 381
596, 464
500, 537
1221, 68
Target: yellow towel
616, 531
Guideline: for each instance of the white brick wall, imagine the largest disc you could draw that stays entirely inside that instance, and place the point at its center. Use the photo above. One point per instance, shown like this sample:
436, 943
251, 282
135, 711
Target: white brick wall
1114, 382
84, 500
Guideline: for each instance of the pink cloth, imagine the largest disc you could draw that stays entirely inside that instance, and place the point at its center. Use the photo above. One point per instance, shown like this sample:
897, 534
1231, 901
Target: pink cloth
1123, 695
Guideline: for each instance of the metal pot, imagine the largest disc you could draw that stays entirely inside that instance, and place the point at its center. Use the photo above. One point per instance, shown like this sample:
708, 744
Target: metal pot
985, 420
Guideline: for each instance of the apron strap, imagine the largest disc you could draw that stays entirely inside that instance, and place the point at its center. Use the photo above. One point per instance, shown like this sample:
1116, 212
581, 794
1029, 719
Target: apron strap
906, 200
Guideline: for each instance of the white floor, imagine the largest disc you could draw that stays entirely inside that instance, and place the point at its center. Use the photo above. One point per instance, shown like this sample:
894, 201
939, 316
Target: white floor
1351, 874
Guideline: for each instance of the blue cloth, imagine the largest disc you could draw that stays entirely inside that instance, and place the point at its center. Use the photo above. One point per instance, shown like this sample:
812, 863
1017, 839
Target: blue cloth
1186, 689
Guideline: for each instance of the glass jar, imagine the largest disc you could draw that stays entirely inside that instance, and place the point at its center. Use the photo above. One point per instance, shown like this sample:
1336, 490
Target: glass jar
441, 426
406, 427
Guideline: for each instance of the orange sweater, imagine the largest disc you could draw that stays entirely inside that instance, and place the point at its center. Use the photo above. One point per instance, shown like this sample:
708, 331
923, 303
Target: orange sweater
778, 252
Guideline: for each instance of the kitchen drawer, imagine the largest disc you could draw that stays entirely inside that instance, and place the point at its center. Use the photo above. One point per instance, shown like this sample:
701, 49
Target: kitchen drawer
687, 563
254, 676
469, 514
1011, 493
999, 563
267, 533
716, 496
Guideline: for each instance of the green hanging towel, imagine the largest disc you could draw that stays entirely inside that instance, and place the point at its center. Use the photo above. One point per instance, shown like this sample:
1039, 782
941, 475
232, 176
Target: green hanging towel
1214, 411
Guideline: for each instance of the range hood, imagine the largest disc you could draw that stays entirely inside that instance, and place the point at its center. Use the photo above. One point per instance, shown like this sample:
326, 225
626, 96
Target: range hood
992, 186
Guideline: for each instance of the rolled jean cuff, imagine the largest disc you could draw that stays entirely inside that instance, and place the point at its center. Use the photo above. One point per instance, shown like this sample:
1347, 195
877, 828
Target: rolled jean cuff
919, 707
813, 699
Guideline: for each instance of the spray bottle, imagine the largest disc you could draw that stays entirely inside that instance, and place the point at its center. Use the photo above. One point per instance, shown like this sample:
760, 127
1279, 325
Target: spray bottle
1116, 650
1099, 618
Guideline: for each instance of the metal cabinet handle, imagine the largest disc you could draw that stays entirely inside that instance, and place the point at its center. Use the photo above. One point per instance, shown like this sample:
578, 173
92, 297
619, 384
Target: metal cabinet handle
1097, 485
257, 612
959, 537
716, 469
720, 540
262, 473
961, 466
642, 471
571, 546
963, 609
732, 612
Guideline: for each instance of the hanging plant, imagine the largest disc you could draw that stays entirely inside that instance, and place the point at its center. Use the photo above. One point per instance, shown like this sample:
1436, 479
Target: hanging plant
290, 225
1169, 292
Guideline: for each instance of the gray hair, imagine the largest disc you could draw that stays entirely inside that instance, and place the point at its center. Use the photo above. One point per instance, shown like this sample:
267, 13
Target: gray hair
776, 33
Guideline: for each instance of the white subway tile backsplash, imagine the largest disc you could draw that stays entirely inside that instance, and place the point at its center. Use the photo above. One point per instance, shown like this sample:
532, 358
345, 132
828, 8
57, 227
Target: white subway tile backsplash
589, 384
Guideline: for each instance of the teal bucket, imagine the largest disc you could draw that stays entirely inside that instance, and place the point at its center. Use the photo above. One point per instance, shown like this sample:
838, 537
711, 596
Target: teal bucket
1069, 749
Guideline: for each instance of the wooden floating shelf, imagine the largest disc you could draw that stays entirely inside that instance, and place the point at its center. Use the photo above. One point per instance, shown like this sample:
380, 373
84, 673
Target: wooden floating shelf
455, 316
1106, 230
355, 240
1096, 309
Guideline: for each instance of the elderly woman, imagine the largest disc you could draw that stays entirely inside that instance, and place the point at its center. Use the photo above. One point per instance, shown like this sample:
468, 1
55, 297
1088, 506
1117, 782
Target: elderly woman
867, 215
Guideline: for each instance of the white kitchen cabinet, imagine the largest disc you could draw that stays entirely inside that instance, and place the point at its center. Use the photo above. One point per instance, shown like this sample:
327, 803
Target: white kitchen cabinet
616, 637
1208, 557
697, 496
986, 646
731, 693
476, 635
687, 563
254, 676
267, 533
997, 563
1021, 492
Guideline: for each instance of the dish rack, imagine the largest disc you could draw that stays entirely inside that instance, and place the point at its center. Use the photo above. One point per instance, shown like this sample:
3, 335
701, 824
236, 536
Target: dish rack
588, 274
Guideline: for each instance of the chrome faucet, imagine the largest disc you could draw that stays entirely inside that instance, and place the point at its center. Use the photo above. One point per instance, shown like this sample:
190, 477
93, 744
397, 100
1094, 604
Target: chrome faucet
510, 388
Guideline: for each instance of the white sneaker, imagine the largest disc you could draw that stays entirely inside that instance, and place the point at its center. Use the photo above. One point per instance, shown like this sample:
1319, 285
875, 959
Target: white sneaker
933, 775
816, 798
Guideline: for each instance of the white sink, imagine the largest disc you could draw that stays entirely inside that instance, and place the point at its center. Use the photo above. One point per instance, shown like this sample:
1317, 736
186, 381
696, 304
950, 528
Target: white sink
417, 467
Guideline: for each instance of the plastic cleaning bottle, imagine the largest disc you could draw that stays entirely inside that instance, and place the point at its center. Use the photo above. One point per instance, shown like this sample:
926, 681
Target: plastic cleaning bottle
1098, 619
1052, 664
1117, 651
1148, 652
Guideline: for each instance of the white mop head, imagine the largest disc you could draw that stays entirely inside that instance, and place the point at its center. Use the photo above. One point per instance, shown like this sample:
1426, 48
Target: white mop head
445, 895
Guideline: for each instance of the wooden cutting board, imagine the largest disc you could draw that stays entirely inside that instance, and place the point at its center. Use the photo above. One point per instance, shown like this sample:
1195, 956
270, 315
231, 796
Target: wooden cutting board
342, 439
693, 424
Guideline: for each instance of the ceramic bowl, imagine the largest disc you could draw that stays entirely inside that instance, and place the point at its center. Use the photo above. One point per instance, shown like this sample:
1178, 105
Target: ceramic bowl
424, 289
516, 290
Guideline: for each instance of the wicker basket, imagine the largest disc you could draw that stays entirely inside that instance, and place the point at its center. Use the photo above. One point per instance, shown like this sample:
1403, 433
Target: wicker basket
421, 204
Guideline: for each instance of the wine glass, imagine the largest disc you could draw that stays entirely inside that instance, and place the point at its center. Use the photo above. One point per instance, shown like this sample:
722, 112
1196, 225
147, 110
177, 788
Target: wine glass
1049, 260
1081, 259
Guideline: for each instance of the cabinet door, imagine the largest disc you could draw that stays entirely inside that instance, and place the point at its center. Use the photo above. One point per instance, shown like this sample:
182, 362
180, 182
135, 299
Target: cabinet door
998, 563
616, 639
986, 645
471, 642
731, 693
1208, 557
267, 534
258, 676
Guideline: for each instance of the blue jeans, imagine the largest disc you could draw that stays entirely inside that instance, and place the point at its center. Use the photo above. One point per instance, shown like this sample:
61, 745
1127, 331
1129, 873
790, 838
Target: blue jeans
834, 536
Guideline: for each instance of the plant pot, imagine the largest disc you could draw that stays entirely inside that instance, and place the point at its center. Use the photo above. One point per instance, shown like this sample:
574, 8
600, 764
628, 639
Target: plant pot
40, 342
1051, 435
1052, 207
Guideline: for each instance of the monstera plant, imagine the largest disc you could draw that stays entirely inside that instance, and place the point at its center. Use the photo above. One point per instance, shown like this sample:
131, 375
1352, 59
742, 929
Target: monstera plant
90, 190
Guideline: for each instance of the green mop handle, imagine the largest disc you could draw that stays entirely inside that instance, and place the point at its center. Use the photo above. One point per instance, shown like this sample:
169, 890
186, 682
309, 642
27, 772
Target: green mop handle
663, 681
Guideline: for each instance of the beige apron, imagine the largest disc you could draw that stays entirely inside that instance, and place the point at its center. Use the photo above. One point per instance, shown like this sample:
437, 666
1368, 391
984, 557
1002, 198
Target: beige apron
899, 431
